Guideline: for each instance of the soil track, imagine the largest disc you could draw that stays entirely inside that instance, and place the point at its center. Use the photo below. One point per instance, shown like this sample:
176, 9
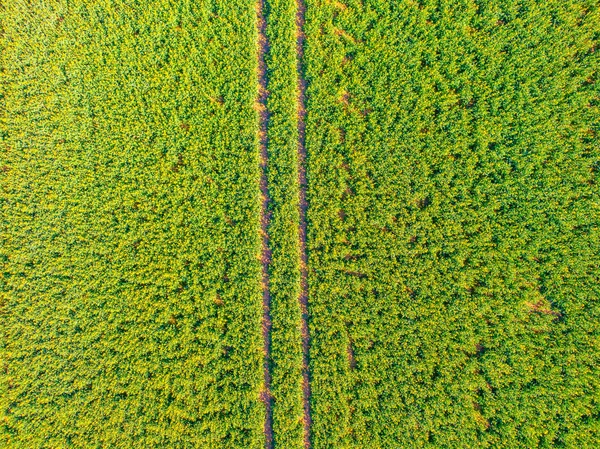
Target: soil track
261, 105
303, 206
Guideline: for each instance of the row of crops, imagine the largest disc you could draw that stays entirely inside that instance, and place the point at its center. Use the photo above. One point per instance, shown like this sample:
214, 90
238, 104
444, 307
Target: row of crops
452, 229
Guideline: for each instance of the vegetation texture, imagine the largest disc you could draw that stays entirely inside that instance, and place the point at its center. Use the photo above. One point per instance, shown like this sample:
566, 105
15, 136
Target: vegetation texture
286, 387
454, 223
131, 309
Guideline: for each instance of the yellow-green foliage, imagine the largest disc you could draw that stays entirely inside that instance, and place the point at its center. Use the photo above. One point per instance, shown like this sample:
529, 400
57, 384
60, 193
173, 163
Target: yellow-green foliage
454, 223
453, 162
286, 349
131, 303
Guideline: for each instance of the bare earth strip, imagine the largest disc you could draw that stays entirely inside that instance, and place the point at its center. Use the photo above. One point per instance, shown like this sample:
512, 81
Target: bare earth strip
303, 206
263, 48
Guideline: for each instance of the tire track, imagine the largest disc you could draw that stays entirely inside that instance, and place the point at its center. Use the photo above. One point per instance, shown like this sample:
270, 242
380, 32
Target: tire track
265, 217
303, 206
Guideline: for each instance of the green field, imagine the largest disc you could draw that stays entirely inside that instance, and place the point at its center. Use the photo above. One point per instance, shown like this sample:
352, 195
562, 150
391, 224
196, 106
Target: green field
452, 159
454, 209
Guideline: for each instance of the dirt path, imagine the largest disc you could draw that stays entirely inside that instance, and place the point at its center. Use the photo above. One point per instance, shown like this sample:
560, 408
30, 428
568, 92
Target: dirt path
303, 206
263, 48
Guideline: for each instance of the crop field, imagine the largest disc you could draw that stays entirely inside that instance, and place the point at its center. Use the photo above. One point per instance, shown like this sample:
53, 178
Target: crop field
130, 226
299, 224
454, 223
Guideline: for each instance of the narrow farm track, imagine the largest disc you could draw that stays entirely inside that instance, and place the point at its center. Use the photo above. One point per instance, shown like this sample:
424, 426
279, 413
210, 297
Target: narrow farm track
303, 206
265, 219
